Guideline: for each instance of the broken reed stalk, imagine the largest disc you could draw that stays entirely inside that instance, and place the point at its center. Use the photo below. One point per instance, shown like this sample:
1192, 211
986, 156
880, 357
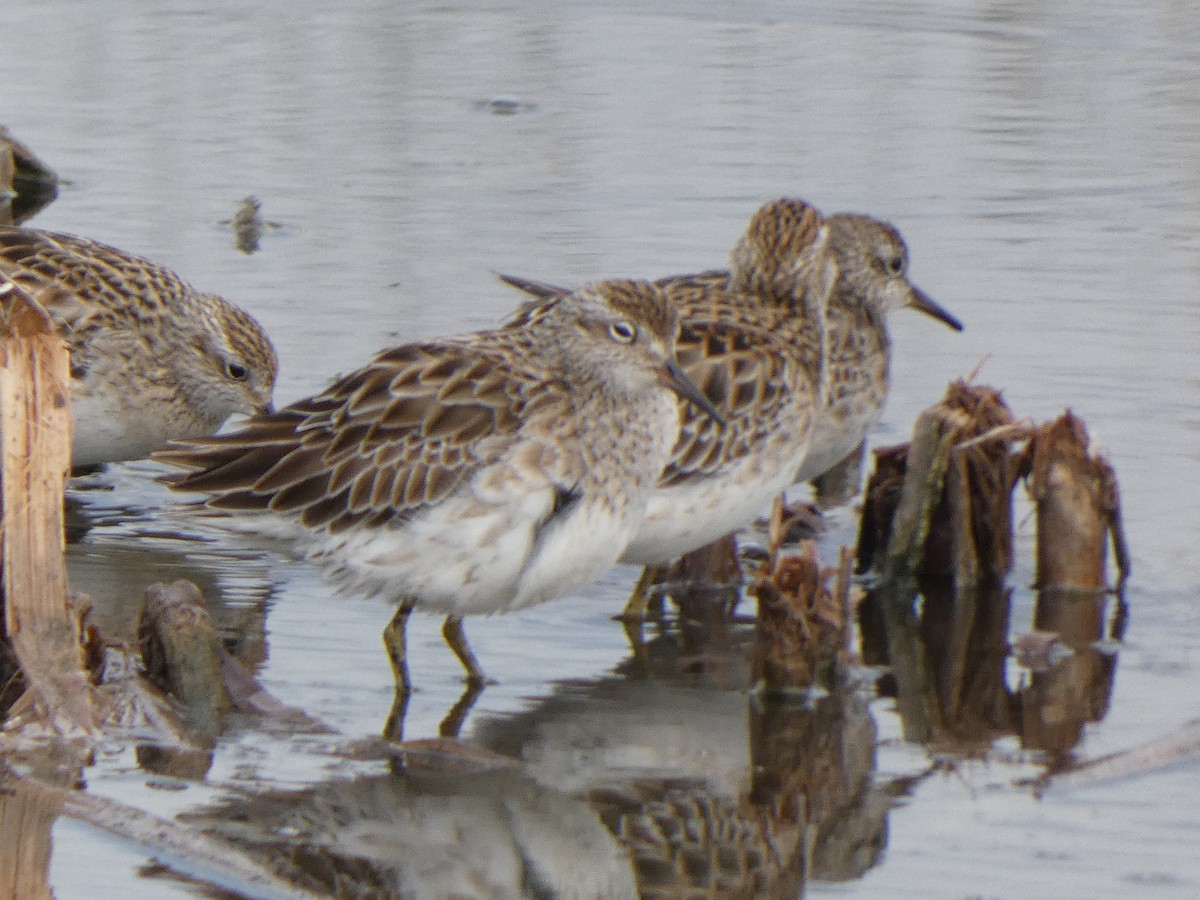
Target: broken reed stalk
36, 428
803, 627
1078, 509
953, 513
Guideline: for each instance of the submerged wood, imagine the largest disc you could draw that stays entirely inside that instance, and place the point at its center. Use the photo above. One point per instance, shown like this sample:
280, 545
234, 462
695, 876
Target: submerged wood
40, 626
181, 652
248, 225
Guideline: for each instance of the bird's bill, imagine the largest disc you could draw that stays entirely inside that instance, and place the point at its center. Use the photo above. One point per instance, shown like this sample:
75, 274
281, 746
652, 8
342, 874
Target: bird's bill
677, 380
540, 289
922, 302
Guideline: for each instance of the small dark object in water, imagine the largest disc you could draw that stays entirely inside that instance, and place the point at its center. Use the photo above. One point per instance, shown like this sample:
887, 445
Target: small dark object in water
248, 225
505, 106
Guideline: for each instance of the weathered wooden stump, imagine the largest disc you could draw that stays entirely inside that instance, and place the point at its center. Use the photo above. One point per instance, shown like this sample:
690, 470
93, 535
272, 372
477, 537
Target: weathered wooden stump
937, 523
1078, 511
35, 427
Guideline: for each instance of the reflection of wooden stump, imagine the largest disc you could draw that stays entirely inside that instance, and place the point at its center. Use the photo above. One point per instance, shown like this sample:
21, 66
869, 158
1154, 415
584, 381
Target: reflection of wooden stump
818, 759
25, 820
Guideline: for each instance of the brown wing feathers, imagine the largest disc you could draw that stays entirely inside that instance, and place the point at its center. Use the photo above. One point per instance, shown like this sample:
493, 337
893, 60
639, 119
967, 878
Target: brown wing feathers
377, 445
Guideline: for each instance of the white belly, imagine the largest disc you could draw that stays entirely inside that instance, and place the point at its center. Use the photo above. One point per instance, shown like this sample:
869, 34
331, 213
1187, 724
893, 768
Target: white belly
467, 558
684, 517
833, 439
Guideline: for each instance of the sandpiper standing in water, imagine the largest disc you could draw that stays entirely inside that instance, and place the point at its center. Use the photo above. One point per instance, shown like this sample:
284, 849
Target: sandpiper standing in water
823, 289
151, 357
474, 474
872, 281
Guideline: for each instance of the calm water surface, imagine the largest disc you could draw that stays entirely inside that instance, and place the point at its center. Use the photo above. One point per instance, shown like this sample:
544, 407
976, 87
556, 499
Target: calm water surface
1043, 162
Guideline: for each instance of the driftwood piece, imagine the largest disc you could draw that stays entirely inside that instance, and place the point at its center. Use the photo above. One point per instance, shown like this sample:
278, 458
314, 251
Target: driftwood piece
183, 657
36, 429
181, 652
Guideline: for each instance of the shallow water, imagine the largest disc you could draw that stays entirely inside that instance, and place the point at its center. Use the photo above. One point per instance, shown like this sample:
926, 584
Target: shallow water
1041, 161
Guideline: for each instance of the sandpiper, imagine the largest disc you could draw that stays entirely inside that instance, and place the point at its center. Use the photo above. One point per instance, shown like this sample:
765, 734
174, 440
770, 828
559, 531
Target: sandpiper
752, 339
824, 290
151, 357
474, 474
872, 281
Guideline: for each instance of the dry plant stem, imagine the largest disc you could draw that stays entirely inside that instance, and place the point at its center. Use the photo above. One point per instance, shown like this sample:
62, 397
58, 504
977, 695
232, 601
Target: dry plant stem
802, 627
35, 422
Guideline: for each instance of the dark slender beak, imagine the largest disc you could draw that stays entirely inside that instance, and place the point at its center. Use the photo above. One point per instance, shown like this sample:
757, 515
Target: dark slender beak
540, 289
922, 302
677, 380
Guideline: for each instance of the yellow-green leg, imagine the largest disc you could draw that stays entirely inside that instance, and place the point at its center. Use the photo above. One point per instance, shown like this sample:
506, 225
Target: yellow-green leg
644, 596
395, 641
453, 632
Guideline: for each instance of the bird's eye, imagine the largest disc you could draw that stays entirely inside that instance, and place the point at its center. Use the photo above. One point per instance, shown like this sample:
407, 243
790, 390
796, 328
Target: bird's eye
894, 265
236, 371
623, 332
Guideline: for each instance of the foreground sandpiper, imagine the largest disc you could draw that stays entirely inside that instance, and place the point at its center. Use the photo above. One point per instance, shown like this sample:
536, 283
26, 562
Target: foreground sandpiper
151, 357
474, 474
